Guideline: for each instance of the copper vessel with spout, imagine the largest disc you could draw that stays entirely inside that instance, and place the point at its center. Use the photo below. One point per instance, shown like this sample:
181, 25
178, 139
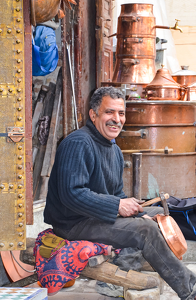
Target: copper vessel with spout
135, 54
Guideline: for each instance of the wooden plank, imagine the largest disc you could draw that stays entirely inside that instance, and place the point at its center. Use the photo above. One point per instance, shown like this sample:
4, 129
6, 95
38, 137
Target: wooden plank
36, 116
52, 138
43, 187
47, 111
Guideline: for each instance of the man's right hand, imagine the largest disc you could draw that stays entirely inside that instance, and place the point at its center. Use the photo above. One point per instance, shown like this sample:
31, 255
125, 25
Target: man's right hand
129, 207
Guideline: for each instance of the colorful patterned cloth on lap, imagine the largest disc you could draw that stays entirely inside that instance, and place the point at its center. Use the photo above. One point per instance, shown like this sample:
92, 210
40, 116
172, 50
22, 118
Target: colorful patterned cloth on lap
66, 263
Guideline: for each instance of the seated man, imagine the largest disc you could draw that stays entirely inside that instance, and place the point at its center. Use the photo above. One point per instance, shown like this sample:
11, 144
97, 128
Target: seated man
85, 199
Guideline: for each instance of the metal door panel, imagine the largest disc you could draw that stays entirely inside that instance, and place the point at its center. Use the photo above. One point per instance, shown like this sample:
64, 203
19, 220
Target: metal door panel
12, 125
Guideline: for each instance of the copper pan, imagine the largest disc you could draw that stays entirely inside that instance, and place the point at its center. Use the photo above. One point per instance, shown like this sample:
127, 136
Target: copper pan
134, 70
171, 231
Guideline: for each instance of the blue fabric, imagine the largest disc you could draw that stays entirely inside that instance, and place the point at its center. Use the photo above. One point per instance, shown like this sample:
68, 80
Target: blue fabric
44, 51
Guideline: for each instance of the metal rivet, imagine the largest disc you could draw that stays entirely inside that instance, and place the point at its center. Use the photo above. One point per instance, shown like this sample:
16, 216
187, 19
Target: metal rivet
17, 0
20, 167
11, 186
20, 244
0, 30
17, 9
9, 31
19, 147
10, 90
18, 30
19, 108
18, 41
18, 90
11, 244
20, 205
19, 118
20, 157
19, 71
20, 224
2, 186
18, 61
19, 176
2, 245
20, 196
18, 51
1, 90
20, 215
19, 186
18, 20
19, 99
19, 80
20, 234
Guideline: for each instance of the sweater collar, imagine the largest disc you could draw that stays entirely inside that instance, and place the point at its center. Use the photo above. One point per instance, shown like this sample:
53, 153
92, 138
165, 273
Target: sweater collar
96, 135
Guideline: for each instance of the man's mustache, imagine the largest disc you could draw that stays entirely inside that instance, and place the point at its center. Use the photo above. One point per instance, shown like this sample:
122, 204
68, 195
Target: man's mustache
113, 123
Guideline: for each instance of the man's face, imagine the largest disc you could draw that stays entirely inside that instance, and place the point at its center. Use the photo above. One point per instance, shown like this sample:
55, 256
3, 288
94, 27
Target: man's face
110, 118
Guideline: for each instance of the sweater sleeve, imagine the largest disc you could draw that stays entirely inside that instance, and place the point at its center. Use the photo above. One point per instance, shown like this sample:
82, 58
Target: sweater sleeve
75, 166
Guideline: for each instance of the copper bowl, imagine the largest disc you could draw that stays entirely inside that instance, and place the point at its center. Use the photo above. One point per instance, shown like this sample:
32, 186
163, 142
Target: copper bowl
43, 10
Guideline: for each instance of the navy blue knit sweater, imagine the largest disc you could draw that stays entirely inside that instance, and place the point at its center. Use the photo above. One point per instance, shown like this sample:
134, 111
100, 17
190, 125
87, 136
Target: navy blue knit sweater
86, 180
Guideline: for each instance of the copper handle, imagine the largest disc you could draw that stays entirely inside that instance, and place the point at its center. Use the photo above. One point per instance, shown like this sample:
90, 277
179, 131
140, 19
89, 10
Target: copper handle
132, 18
140, 133
134, 40
134, 61
138, 110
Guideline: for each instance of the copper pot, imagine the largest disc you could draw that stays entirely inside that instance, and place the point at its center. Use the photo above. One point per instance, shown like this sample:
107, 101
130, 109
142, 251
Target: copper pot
184, 77
141, 113
179, 138
135, 53
43, 10
164, 87
139, 47
134, 70
191, 92
136, 19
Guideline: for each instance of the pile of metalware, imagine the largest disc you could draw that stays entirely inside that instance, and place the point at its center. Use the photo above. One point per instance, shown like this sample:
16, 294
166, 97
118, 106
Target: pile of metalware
160, 110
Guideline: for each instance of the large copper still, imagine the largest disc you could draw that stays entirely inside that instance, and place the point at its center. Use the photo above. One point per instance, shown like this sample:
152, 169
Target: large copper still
135, 54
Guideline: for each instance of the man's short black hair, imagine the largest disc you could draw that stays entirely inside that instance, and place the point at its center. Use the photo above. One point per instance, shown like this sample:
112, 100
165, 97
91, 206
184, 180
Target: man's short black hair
101, 92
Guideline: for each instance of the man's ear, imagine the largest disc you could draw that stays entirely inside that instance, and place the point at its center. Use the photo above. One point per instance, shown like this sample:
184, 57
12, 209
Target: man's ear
92, 115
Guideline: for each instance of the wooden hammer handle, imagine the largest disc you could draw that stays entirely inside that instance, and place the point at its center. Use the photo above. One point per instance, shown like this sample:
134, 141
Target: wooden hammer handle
155, 200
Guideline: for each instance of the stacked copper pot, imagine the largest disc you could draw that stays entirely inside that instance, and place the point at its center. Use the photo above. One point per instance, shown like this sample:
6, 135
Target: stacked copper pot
162, 125
136, 52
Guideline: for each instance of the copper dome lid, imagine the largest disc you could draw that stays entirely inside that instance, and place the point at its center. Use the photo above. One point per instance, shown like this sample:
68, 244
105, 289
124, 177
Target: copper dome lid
163, 78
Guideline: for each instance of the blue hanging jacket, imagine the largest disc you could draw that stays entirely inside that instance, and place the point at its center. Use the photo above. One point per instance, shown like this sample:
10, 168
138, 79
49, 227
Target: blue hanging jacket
44, 51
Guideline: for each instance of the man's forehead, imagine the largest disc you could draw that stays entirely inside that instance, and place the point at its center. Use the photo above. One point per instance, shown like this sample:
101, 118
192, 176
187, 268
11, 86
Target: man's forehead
113, 104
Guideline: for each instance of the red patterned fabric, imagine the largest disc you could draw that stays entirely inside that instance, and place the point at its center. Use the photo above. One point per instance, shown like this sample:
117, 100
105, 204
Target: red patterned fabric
66, 263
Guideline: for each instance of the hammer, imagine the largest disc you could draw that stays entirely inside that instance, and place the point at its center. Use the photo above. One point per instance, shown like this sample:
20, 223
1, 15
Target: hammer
155, 200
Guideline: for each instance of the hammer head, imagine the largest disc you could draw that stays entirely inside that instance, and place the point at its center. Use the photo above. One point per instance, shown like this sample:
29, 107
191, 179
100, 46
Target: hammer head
164, 203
